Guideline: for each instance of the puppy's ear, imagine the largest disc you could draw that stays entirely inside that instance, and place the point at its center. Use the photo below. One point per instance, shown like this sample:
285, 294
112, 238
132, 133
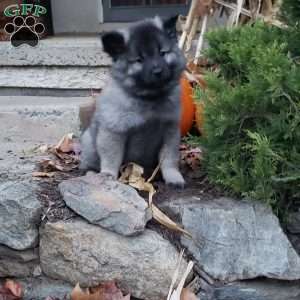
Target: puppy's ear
170, 26
113, 43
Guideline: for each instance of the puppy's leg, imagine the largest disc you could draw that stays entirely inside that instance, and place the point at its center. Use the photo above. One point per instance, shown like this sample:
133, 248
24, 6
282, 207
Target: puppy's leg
110, 147
89, 159
169, 156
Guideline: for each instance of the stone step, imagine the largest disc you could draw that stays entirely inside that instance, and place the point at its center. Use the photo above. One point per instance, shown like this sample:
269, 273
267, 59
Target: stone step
56, 51
62, 62
53, 77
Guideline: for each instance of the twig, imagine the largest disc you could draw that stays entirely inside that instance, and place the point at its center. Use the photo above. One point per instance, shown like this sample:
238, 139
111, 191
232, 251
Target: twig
155, 171
192, 33
175, 275
201, 38
202, 274
45, 214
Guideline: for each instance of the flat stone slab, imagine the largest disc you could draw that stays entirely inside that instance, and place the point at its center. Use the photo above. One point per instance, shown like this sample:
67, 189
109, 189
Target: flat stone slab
107, 203
76, 251
236, 240
20, 213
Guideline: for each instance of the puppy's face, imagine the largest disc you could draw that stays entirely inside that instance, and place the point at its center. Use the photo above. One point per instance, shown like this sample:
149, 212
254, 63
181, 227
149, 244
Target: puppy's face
146, 58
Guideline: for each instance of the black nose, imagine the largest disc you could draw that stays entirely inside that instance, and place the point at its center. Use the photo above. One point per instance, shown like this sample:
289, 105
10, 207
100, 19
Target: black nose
157, 71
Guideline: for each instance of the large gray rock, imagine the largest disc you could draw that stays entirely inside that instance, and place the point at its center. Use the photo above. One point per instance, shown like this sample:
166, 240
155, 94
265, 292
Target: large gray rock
256, 290
106, 202
76, 251
40, 288
15, 263
20, 213
236, 239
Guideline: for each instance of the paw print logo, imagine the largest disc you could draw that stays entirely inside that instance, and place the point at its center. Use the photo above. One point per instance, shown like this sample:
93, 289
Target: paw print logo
24, 31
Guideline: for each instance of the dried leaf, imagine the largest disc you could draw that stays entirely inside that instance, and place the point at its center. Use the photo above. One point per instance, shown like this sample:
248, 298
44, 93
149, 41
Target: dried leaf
187, 294
48, 165
109, 291
106, 291
11, 290
78, 294
176, 294
43, 174
44, 148
163, 219
132, 174
65, 145
52, 165
175, 275
192, 157
14, 287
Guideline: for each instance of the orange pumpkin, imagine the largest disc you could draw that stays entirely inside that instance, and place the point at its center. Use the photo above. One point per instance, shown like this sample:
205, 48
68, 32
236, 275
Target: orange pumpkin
187, 106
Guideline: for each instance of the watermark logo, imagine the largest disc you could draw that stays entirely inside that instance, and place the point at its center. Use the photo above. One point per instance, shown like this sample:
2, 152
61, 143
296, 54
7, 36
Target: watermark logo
24, 28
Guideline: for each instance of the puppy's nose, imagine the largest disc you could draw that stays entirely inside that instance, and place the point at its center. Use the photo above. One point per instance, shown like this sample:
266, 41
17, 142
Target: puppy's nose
157, 71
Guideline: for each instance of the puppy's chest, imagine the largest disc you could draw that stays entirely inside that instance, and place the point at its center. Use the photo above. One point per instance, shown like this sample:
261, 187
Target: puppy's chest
152, 115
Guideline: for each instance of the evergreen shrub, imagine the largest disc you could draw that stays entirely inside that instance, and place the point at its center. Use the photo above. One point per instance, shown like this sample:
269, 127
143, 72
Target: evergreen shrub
252, 112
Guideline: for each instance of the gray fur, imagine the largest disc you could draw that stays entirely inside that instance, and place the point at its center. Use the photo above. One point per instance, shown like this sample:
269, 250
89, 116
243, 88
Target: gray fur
134, 124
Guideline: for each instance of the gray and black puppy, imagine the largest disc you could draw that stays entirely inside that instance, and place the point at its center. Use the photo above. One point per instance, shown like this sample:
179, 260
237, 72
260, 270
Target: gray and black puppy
137, 115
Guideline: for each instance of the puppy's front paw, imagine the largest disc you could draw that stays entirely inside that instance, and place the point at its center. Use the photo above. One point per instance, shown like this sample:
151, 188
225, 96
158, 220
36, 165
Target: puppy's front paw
173, 178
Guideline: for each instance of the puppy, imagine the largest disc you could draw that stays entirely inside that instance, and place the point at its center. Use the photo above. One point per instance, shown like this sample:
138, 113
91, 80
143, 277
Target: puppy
137, 115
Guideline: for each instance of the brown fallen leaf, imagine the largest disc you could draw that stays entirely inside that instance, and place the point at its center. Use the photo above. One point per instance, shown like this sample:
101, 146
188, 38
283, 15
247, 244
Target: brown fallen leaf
110, 291
14, 287
65, 144
132, 174
176, 293
187, 294
11, 290
43, 174
44, 148
163, 219
48, 165
191, 156
64, 156
106, 291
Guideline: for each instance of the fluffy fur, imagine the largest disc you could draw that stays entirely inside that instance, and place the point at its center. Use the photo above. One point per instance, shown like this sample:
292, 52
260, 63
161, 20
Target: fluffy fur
137, 115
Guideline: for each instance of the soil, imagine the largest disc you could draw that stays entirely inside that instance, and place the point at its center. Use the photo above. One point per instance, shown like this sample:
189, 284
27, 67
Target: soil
53, 206
55, 209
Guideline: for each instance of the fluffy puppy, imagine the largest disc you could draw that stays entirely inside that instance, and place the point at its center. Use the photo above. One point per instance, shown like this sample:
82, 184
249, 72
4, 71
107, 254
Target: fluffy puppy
137, 115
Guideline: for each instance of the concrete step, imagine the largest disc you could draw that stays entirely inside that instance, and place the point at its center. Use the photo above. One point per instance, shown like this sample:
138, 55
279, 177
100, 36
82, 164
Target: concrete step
66, 63
56, 51
52, 77
28, 122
